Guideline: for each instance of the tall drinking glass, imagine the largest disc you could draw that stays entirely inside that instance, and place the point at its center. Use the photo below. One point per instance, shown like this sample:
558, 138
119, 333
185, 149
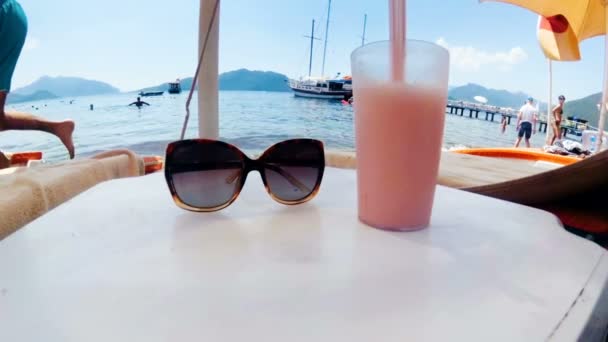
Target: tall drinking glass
399, 132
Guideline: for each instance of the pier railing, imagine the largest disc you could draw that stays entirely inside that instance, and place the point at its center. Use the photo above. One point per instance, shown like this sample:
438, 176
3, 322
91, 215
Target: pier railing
490, 113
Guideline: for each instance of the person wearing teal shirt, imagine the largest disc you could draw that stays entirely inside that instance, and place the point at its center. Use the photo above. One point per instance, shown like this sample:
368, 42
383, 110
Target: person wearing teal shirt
13, 30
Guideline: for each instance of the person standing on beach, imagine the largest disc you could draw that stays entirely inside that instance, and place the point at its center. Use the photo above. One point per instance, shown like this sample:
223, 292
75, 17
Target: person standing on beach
13, 30
557, 119
526, 122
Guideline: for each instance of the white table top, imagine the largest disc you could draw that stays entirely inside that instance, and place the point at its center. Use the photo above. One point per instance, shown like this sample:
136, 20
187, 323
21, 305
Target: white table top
121, 262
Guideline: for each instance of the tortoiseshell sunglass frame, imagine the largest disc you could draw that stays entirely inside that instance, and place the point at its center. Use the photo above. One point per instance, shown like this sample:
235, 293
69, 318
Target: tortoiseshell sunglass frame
247, 165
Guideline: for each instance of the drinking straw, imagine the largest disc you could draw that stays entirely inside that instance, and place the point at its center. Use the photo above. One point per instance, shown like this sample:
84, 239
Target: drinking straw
397, 38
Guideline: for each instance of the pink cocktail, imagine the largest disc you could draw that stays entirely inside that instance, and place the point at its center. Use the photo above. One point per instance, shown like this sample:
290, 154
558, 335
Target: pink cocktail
399, 131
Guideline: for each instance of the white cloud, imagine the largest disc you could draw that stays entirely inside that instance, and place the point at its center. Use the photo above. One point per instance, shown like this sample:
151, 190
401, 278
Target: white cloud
468, 58
31, 43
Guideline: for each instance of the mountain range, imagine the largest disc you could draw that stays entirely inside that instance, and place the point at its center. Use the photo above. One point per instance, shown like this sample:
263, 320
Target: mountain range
67, 86
501, 98
243, 79
585, 108
36, 96
46, 88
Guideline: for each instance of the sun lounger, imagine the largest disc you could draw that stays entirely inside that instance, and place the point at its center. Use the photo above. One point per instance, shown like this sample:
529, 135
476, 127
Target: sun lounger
28, 193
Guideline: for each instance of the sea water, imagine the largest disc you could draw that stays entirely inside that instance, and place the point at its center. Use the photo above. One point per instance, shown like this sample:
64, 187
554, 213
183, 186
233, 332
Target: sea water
251, 120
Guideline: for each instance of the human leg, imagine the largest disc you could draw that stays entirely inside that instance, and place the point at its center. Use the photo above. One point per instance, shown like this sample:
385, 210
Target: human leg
12, 35
23, 121
520, 134
555, 133
517, 142
527, 128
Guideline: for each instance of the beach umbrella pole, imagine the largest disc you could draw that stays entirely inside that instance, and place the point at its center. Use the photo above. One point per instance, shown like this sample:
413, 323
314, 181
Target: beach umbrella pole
208, 119
600, 125
550, 132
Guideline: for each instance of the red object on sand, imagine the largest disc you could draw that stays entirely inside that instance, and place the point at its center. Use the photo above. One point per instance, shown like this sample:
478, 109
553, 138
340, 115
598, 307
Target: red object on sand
21, 158
153, 164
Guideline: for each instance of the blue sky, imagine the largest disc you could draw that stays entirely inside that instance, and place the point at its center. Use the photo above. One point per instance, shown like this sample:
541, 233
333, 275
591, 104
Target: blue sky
133, 44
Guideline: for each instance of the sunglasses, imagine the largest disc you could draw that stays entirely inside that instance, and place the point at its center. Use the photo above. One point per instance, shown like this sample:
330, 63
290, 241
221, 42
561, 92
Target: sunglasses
208, 175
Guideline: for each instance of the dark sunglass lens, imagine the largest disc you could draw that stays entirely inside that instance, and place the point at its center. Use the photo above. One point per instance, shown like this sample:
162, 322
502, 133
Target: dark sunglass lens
293, 168
205, 174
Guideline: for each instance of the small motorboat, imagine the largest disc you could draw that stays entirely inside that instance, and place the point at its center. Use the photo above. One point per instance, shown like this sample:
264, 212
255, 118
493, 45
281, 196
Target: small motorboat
151, 93
175, 87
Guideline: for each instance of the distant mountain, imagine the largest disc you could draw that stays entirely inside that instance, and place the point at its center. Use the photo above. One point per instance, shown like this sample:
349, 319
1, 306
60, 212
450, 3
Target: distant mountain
244, 79
501, 98
67, 87
37, 96
241, 79
585, 108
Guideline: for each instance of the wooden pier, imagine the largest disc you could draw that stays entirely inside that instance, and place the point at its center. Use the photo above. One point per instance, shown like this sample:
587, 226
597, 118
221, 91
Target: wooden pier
489, 113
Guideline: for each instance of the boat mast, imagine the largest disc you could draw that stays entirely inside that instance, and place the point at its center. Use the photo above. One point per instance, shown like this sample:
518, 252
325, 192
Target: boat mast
326, 32
312, 38
364, 26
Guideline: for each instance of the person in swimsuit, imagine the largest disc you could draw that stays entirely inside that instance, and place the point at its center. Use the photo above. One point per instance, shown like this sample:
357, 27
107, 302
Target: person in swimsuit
557, 119
13, 29
139, 103
526, 122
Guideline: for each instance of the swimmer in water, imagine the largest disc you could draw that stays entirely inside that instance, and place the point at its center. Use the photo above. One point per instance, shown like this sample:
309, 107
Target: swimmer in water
139, 103
503, 124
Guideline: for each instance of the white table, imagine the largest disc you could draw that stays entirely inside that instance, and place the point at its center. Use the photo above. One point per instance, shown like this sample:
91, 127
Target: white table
121, 262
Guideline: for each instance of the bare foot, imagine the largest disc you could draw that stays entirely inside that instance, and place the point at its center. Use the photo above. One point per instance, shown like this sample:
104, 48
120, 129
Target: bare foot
64, 131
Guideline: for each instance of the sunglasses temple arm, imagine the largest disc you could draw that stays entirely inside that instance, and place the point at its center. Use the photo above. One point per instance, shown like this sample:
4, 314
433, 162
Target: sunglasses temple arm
291, 179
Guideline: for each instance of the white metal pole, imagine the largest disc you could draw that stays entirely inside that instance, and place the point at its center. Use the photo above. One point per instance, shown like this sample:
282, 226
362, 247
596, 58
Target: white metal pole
364, 27
600, 125
208, 119
312, 41
326, 34
550, 132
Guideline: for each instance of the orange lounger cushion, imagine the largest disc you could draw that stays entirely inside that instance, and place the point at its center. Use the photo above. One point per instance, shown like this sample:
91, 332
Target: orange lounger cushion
520, 153
21, 158
153, 164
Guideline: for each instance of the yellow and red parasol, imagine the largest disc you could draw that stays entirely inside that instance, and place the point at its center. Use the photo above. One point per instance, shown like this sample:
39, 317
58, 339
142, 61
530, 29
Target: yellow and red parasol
557, 39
